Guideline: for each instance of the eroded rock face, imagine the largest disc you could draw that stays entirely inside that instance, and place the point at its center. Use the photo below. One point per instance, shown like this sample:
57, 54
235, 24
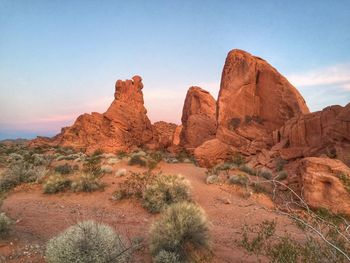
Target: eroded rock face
165, 133
212, 152
198, 118
254, 100
123, 126
323, 132
322, 183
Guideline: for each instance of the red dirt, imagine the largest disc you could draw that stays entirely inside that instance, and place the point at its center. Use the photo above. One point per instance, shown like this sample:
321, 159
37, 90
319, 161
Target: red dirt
40, 216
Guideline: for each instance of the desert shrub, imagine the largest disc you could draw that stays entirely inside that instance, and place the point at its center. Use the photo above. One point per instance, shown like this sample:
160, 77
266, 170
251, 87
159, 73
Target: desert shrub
165, 190
21, 172
238, 159
134, 185
156, 156
345, 179
281, 176
265, 174
112, 161
152, 164
56, 183
259, 187
5, 224
212, 179
239, 179
87, 183
247, 169
185, 156
182, 231
120, 172
106, 169
280, 163
166, 257
64, 169
254, 239
92, 164
108, 155
87, 242
234, 123
121, 154
286, 250
137, 160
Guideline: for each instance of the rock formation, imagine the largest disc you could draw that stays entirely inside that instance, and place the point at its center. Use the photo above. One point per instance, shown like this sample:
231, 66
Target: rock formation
323, 132
198, 118
324, 182
165, 134
123, 126
254, 100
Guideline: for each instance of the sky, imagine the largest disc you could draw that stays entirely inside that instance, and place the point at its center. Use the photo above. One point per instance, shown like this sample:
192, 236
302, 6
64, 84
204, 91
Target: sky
61, 58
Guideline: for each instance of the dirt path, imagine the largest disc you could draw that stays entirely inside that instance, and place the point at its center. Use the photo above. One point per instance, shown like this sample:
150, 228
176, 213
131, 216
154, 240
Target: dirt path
40, 216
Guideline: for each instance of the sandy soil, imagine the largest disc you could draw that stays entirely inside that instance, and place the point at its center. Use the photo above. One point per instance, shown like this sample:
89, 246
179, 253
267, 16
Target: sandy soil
40, 216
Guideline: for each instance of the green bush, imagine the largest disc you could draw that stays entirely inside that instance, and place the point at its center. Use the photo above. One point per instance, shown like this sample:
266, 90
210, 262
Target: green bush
106, 169
265, 174
56, 183
166, 257
165, 190
87, 183
181, 231
281, 176
5, 223
247, 169
64, 169
239, 179
134, 185
92, 164
137, 160
212, 179
87, 242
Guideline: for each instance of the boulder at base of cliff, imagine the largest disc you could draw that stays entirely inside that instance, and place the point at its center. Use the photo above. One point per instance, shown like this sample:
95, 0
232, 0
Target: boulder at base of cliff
325, 183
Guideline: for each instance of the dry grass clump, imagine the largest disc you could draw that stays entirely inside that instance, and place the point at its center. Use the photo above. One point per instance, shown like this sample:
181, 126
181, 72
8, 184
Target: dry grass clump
120, 172
239, 179
180, 235
56, 183
87, 242
165, 190
138, 160
5, 224
64, 169
87, 183
156, 191
107, 169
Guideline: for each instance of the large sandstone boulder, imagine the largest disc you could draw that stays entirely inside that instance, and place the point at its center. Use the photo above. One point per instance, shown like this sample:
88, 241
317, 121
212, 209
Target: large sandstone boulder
325, 183
123, 126
198, 118
164, 134
323, 132
212, 152
254, 100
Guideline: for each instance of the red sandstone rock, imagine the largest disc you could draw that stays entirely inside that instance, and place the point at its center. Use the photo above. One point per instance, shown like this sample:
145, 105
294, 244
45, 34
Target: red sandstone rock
322, 132
254, 100
321, 184
123, 126
165, 133
198, 118
212, 152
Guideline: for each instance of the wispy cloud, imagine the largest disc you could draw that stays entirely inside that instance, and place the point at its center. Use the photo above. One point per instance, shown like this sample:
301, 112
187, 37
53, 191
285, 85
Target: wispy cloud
336, 75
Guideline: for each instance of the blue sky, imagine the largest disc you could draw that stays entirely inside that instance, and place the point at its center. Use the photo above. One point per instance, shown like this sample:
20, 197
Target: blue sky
59, 59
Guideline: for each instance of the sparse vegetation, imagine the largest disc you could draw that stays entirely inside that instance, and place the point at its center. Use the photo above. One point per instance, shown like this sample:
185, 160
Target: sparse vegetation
87, 183
137, 160
281, 176
5, 225
265, 174
181, 233
92, 164
134, 185
88, 242
165, 190
345, 179
239, 179
280, 163
107, 169
64, 169
120, 172
56, 183
212, 179
247, 169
